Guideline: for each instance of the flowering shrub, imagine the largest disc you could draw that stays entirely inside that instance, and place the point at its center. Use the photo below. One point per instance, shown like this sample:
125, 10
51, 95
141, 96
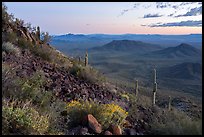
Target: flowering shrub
22, 120
106, 114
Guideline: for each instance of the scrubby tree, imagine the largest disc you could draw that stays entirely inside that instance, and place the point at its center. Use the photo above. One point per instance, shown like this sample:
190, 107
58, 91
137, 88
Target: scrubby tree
46, 37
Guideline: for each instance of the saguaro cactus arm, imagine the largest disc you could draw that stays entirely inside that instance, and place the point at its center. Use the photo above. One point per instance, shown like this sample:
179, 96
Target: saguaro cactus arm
169, 105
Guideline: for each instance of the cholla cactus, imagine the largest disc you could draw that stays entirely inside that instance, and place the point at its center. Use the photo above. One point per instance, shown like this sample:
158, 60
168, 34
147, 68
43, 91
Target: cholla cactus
154, 88
169, 105
136, 88
86, 59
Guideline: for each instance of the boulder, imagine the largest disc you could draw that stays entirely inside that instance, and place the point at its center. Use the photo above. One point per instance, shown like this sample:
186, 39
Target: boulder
93, 124
116, 130
107, 133
83, 131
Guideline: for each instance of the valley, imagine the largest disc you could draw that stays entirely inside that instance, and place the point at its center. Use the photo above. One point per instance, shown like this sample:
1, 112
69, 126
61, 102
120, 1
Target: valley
127, 60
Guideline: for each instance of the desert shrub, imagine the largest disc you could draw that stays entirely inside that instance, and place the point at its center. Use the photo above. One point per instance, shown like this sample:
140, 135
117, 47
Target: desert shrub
8, 80
29, 88
22, 119
75, 69
10, 48
24, 44
87, 73
58, 126
125, 96
41, 51
32, 88
9, 37
175, 123
106, 114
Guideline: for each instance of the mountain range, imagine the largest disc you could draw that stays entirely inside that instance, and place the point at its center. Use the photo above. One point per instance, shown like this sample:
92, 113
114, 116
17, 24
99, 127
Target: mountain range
83, 41
186, 70
181, 51
128, 46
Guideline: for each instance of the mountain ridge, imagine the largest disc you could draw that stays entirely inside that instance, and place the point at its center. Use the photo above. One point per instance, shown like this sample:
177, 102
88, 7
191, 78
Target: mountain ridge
181, 51
128, 45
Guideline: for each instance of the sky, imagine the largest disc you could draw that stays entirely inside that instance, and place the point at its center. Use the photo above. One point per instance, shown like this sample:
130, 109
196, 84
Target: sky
111, 17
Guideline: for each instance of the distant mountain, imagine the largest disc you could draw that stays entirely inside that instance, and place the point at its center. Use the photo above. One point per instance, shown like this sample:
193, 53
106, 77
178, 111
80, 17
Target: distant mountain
128, 46
96, 40
186, 70
180, 51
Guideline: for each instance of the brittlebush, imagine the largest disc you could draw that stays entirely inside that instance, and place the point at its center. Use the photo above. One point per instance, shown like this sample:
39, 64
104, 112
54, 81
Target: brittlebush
106, 114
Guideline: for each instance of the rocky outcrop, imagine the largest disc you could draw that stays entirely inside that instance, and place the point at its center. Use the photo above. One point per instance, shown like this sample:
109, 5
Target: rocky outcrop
93, 124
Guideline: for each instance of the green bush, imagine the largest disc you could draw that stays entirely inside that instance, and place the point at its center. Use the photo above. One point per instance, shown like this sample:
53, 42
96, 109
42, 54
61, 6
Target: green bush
106, 114
10, 48
86, 73
41, 51
22, 119
175, 123
29, 88
32, 89
24, 44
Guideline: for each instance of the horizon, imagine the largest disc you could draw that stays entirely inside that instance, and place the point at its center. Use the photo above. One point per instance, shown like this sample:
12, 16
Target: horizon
120, 34
114, 18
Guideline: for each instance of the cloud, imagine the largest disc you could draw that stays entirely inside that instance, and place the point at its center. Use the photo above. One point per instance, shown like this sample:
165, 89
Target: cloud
174, 5
152, 16
192, 12
170, 15
186, 3
135, 6
162, 4
189, 23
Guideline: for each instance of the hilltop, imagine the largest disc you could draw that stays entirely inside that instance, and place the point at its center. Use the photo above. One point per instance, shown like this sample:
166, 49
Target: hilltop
128, 46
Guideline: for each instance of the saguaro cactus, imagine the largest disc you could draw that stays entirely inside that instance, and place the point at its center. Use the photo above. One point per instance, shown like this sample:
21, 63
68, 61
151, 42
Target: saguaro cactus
169, 105
38, 33
79, 58
136, 88
86, 59
154, 88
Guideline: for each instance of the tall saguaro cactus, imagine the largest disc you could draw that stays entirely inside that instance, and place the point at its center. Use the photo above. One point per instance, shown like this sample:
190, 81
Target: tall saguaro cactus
38, 33
136, 88
86, 59
154, 89
79, 59
169, 105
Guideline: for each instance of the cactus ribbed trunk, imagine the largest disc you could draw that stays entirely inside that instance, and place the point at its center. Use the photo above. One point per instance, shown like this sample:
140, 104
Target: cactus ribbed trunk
79, 59
154, 89
169, 105
38, 33
86, 59
136, 88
